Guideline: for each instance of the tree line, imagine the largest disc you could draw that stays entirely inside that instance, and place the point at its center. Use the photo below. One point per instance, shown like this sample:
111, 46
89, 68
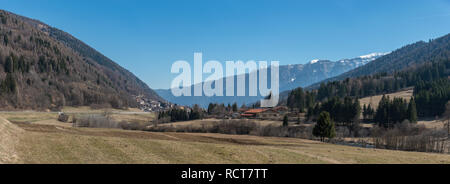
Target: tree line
390, 112
431, 97
182, 114
383, 83
347, 111
430, 82
219, 109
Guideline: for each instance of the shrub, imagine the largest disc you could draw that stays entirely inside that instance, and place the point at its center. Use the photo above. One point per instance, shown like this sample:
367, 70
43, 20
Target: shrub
277, 131
132, 125
240, 127
285, 121
63, 117
95, 121
100, 106
410, 137
324, 127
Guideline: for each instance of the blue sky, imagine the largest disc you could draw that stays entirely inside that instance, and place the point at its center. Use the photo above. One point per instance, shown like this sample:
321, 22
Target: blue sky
147, 36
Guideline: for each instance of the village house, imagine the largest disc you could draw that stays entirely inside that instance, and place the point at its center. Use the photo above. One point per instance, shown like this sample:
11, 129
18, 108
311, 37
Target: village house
253, 113
275, 112
148, 105
266, 112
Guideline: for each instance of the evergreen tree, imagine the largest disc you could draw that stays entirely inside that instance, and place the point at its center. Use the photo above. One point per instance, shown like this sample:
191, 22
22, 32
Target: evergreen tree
211, 108
345, 111
9, 84
235, 107
391, 112
324, 127
9, 68
5, 40
382, 116
370, 112
285, 121
412, 112
431, 97
301, 100
365, 112
3, 18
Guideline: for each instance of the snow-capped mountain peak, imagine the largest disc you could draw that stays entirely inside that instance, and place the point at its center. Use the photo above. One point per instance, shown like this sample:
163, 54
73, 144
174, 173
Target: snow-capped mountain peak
373, 55
313, 61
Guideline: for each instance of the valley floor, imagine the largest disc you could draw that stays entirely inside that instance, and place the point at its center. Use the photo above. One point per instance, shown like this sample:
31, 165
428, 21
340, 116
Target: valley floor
46, 141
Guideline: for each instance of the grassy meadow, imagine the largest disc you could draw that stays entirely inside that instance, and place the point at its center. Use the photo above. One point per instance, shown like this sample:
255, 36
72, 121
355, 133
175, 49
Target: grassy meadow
37, 137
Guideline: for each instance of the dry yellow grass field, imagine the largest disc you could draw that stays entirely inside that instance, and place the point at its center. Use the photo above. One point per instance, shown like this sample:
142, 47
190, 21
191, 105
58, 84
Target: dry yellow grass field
46, 141
10, 135
129, 115
374, 100
406, 94
206, 122
434, 124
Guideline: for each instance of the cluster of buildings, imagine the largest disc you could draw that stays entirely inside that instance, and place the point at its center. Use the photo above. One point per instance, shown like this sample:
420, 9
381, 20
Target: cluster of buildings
149, 105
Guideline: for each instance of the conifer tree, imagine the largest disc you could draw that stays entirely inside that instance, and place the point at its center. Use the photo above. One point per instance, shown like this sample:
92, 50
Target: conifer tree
324, 127
412, 111
285, 121
235, 107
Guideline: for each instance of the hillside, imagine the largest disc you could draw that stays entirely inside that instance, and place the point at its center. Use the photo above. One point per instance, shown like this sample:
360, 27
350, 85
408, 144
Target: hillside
405, 67
373, 101
291, 76
409, 56
9, 138
43, 67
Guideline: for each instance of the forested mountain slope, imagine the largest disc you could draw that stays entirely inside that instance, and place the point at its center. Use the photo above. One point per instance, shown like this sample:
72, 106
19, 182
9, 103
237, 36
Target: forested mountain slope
409, 56
42, 67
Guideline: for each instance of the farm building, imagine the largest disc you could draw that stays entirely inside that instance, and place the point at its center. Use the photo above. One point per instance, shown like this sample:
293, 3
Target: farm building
274, 112
253, 113
265, 112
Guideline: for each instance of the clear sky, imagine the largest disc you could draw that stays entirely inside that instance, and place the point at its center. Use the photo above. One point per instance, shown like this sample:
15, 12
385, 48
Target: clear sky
147, 36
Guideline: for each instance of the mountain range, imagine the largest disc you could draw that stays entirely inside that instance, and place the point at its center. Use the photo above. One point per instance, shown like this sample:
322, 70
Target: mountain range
407, 57
316, 72
290, 77
42, 67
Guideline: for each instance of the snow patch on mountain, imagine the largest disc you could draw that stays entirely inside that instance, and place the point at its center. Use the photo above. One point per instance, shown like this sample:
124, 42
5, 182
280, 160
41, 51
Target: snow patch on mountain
314, 61
373, 55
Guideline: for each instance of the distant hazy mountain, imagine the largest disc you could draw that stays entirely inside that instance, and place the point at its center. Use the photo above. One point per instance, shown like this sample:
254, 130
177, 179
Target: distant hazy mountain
291, 76
43, 67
